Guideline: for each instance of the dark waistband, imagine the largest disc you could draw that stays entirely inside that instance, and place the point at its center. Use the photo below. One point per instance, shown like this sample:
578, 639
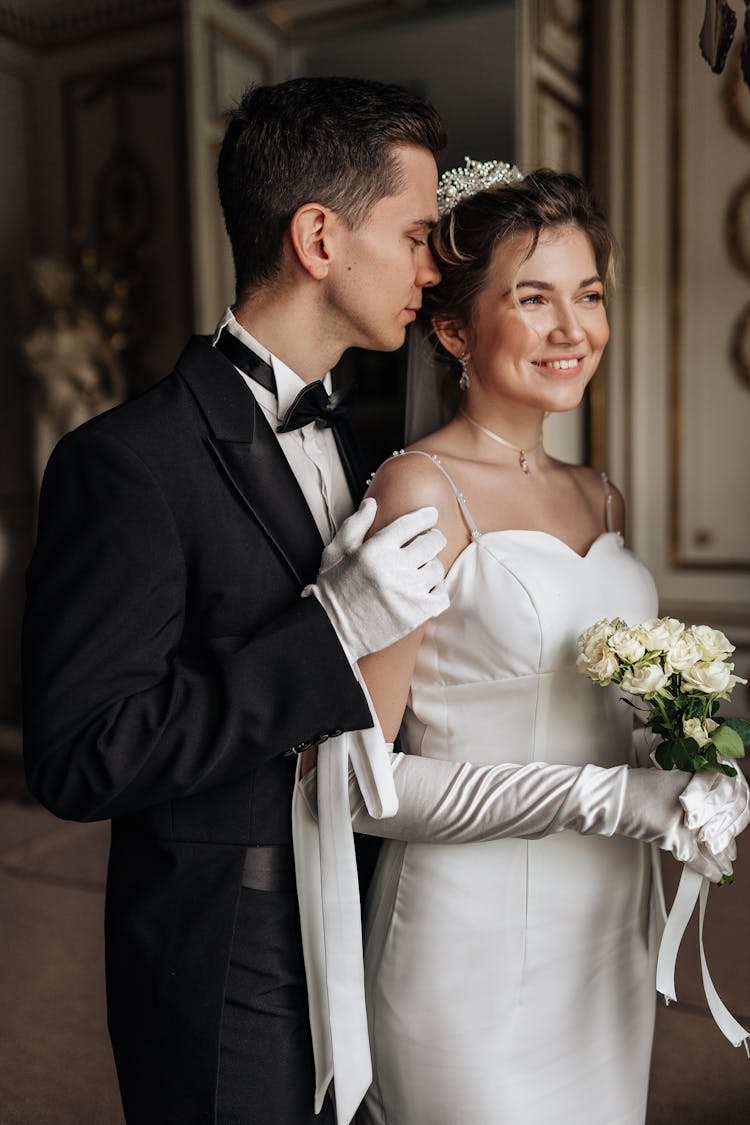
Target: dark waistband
269, 868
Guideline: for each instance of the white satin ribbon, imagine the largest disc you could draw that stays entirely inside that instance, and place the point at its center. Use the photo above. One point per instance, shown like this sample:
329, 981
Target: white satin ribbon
694, 887
328, 893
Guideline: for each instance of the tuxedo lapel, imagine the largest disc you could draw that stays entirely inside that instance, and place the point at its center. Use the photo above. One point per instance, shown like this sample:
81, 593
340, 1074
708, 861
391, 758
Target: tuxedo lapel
260, 472
248, 453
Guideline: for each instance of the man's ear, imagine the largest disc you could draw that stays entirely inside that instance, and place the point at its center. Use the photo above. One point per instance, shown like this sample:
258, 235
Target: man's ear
453, 337
307, 232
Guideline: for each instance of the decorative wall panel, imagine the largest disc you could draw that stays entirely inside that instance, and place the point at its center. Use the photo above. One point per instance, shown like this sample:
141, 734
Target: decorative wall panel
710, 292
126, 172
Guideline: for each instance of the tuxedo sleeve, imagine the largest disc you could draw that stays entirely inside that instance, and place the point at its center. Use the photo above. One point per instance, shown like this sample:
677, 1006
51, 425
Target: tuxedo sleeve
119, 712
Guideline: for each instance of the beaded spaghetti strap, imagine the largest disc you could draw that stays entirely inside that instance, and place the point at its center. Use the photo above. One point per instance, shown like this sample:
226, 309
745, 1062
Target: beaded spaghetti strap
608, 498
460, 498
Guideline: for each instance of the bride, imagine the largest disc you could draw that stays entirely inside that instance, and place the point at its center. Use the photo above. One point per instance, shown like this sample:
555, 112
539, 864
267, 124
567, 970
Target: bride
511, 980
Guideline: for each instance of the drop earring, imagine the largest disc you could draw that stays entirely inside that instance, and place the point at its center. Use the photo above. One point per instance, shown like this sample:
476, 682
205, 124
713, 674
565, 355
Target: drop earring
464, 381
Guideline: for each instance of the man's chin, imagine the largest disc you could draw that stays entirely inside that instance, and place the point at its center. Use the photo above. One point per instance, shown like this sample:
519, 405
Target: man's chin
384, 343
396, 341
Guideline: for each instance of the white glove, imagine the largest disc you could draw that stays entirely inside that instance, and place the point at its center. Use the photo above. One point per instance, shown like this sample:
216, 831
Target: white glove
456, 803
688, 837
717, 805
376, 592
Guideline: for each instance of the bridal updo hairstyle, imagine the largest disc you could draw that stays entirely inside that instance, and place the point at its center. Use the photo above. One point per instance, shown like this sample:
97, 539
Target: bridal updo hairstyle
465, 239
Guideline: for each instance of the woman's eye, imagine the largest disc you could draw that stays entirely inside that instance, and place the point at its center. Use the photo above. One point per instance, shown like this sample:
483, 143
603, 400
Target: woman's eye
417, 241
593, 298
528, 301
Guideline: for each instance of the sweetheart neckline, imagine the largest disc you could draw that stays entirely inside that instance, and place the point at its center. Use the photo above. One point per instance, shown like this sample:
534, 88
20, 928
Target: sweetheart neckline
536, 531
555, 538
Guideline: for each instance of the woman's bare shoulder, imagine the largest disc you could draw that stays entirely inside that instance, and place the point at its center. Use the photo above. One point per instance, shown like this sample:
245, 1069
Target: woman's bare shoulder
409, 480
412, 480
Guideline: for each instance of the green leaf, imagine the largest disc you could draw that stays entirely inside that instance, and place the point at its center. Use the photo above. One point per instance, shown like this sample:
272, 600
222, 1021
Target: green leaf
728, 742
681, 754
663, 756
730, 771
742, 726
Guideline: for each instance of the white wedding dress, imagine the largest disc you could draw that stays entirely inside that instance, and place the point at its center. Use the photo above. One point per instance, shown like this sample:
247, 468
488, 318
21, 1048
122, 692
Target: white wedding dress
512, 982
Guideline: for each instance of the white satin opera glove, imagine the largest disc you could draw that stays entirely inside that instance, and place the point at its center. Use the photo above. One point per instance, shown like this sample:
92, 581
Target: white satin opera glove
449, 802
718, 806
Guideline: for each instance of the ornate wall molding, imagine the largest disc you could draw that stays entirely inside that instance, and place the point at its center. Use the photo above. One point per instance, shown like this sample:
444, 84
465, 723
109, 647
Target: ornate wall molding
710, 313
124, 130
47, 23
302, 21
737, 225
561, 30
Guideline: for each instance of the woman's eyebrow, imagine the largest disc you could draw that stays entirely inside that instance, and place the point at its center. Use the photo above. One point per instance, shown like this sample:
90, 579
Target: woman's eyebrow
546, 285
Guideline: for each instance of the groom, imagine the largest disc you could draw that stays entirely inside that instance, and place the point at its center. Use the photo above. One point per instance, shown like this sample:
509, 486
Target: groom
183, 641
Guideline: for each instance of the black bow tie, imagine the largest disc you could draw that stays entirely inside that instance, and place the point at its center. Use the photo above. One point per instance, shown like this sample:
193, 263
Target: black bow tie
314, 404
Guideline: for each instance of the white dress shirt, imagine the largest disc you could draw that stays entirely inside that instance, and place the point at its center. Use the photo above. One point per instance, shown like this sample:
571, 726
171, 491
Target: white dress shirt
311, 450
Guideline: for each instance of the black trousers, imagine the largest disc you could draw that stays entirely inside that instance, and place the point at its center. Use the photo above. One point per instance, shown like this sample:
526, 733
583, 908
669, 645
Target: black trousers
266, 1070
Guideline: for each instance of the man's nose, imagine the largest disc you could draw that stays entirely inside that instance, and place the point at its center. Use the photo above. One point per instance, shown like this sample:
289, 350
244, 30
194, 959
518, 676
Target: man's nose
427, 272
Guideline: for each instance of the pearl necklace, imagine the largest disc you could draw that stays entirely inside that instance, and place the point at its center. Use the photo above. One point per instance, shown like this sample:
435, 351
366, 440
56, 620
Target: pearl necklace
522, 459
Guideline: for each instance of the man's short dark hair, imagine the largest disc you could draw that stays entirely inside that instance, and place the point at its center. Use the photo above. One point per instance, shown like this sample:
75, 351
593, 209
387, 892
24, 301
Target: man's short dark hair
323, 140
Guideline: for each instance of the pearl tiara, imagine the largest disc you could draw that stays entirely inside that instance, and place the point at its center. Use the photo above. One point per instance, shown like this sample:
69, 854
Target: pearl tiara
459, 183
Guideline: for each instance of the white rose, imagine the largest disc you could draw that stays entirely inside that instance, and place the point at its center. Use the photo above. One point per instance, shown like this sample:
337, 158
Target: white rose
644, 679
660, 633
599, 663
712, 644
700, 731
597, 634
627, 644
713, 677
683, 653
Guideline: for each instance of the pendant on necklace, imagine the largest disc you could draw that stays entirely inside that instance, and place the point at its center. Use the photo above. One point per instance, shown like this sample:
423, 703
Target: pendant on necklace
523, 462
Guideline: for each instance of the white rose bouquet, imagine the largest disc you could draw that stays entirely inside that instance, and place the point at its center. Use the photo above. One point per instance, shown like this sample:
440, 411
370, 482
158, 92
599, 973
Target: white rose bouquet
682, 672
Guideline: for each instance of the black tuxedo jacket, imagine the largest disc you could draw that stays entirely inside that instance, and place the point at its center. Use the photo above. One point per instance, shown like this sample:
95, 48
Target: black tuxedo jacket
170, 665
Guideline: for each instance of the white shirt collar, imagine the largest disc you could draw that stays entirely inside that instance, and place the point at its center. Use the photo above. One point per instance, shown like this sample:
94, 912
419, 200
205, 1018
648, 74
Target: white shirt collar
288, 383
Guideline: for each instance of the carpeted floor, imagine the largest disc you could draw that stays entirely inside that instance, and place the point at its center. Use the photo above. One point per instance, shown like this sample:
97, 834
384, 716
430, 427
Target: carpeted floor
55, 1063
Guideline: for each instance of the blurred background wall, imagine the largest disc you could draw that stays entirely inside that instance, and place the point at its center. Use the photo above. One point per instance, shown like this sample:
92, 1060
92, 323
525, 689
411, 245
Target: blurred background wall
112, 249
